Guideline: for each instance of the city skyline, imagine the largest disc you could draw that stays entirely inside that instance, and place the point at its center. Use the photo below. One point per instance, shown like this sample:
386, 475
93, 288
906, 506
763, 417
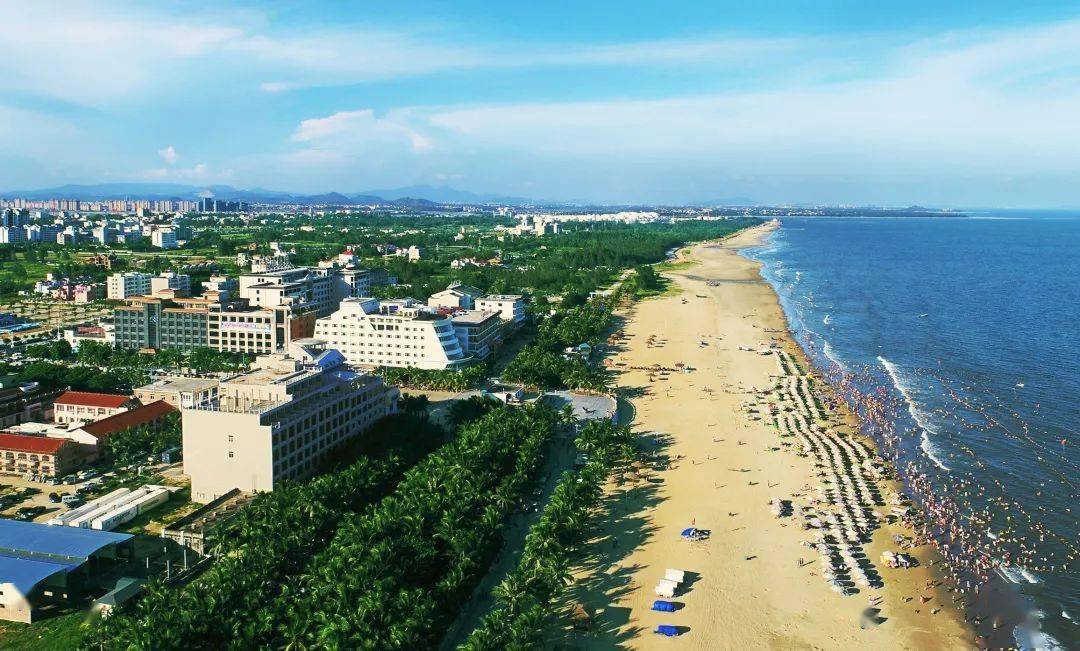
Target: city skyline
789, 103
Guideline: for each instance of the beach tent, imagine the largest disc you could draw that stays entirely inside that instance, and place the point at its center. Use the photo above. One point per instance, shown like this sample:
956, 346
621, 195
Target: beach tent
667, 630
663, 606
669, 582
677, 576
665, 590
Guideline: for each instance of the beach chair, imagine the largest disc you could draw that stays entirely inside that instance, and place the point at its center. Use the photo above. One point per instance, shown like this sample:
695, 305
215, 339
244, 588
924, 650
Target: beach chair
678, 576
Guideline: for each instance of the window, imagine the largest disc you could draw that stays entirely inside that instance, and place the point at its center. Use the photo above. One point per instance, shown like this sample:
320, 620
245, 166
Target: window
230, 454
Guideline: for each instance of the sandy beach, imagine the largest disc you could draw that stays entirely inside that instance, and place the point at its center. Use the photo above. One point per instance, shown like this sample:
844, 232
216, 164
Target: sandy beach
754, 583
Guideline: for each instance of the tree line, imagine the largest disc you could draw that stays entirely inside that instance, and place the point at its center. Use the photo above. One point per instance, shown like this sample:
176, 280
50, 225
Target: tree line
524, 598
269, 542
327, 562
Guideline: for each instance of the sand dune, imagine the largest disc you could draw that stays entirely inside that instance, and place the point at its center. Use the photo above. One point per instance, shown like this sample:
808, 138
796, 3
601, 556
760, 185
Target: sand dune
746, 588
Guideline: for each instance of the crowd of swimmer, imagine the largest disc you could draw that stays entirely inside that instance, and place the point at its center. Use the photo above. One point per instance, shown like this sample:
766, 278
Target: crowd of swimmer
975, 522
840, 513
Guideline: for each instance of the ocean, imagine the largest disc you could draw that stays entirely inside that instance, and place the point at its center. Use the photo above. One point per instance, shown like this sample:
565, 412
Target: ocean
959, 338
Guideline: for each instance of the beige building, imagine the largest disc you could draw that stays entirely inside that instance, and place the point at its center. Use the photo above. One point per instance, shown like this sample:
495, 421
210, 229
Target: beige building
79, 407
279, 421
179, 392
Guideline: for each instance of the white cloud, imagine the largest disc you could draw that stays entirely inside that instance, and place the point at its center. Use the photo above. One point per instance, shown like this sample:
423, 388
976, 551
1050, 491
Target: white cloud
360, 129
194, 173
976, 103
168, 155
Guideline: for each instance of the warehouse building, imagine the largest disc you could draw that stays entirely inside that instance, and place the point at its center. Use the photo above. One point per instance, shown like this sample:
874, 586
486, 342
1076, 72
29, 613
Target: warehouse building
42, 565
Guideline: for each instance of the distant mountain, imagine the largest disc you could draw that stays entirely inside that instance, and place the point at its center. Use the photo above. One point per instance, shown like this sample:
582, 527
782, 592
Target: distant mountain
419, 196
445, 194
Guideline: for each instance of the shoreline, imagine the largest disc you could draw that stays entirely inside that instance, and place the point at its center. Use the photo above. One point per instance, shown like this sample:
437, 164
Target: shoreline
748, 588
1000, 600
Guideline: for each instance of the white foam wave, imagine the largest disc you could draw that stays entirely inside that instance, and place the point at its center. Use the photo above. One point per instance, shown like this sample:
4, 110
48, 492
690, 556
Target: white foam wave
1017, 574
1010, 574
828, 350
1029, 635
1030, 576
927, 446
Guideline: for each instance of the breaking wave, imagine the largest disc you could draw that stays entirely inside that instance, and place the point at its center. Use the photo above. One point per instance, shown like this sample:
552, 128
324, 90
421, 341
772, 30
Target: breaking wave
928, 447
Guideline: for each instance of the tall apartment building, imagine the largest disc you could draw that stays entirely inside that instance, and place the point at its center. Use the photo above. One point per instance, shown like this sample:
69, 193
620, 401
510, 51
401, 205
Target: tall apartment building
181, 283
125, 285
391, 333
280, 421
11, 234
300, 288
164, 238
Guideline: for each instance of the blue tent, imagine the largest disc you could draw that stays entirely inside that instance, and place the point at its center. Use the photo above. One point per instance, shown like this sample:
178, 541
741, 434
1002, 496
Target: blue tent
667, 630
663, 606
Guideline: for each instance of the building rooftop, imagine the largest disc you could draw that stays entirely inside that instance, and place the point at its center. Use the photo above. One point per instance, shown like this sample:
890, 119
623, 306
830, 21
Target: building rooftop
139, 416
502, 297
43, 542
475, 316
31, 553
29, 443
181, 384
89, 399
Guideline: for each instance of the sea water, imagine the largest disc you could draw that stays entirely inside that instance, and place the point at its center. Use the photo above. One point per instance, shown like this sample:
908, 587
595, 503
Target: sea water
972, 325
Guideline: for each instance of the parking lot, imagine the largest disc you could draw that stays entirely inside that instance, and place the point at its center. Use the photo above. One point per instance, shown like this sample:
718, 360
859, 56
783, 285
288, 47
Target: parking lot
46, 499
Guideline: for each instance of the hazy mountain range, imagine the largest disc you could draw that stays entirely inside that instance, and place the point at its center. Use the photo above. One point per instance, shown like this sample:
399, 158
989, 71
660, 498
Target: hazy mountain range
413, 195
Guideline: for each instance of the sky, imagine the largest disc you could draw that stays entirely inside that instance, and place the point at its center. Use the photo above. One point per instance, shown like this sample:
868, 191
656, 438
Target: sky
941, 104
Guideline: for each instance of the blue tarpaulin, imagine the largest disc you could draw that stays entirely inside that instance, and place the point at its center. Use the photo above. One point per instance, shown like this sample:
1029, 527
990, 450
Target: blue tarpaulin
668, 630
663, 606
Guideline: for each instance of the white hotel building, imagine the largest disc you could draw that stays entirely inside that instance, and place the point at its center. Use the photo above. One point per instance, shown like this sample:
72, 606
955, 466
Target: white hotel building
391, 333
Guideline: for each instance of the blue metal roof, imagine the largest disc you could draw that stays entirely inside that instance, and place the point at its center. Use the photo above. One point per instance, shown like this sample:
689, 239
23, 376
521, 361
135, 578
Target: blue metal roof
25, 573
29, 539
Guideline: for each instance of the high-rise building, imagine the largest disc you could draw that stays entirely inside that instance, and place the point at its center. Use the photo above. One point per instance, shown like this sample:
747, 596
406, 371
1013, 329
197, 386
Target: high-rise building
279, 422
164, 238
300, 288
180, 283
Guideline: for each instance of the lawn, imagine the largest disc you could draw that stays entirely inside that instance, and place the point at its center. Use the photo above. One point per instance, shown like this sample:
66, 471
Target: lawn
61, 633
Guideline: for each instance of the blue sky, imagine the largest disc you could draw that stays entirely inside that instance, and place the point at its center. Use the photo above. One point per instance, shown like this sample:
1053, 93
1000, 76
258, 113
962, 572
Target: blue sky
957, 103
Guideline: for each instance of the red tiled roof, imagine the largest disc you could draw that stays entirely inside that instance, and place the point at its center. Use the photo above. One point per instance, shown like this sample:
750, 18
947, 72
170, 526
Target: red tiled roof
139, 416
23, 443
88, 399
